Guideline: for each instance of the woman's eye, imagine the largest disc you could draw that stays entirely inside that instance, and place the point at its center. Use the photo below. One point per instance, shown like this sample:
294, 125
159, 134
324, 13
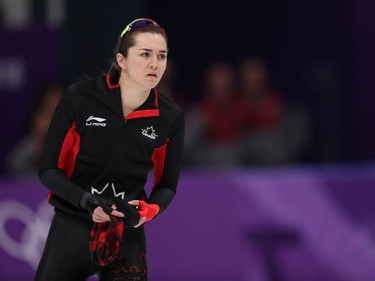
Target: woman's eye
145, 54
162, 57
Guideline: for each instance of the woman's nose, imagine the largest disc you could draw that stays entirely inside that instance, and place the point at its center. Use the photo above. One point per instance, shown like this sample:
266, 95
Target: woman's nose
153, 62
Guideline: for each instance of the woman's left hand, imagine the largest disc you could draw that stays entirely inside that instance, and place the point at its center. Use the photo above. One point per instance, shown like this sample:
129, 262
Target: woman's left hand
142, 220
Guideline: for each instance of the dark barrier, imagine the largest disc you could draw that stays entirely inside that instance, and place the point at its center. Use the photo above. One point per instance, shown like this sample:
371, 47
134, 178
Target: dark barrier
286, 224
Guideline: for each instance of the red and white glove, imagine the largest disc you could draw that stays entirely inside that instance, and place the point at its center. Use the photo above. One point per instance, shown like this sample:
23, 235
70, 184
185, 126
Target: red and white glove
148, 210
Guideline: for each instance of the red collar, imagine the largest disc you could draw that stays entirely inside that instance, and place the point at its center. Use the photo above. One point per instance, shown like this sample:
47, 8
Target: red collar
110, 86
140, 113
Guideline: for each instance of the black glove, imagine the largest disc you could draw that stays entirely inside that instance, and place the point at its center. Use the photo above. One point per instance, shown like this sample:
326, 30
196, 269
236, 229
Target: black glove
131, 214
90, 202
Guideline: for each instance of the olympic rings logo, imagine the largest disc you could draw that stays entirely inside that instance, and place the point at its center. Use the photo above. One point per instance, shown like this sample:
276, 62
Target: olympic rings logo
30, 243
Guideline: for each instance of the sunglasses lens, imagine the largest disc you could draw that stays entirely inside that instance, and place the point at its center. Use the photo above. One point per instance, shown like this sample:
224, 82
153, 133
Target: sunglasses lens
140, 23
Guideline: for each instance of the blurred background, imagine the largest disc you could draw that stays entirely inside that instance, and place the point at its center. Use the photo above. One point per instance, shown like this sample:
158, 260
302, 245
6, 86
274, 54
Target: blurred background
278, 174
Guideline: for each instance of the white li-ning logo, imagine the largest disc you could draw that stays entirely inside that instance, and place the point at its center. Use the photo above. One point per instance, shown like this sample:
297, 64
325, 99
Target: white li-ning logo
149, 132
95, 121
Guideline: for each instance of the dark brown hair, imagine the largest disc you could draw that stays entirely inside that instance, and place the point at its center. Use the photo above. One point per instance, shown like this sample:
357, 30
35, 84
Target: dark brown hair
128, 41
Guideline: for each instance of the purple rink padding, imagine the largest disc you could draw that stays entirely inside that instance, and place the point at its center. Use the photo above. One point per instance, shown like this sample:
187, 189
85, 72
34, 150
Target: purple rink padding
292, 224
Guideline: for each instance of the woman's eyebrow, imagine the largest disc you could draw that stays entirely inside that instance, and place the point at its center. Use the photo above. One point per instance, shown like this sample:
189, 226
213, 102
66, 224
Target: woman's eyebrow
150, 50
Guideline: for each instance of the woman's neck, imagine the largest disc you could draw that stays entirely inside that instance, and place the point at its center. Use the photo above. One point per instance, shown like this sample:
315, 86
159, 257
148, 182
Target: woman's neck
132, 97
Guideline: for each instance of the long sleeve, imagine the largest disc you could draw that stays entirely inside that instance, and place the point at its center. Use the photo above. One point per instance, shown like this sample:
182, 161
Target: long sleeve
59, 153
167, 165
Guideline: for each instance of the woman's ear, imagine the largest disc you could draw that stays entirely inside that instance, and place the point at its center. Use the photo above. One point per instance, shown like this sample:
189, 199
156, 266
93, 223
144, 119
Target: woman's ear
121, 61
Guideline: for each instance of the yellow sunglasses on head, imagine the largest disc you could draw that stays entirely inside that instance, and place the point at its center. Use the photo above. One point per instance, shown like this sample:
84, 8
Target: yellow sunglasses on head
138, 23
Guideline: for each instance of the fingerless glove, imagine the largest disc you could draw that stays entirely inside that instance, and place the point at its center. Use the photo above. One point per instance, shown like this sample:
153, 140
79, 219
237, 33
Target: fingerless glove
90, 202
148, 210
131, 214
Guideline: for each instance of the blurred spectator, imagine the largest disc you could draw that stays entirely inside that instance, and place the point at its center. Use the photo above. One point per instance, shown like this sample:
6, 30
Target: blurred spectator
272, 134
262, 116
23, 158
242, 120
214, 124
262, 101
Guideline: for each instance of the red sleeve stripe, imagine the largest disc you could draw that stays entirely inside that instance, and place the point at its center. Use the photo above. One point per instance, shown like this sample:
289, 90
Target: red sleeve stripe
49, 195
158, 158
69, 151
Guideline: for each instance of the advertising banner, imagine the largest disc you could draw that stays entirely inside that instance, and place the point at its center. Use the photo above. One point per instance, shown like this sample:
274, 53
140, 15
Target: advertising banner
289, 224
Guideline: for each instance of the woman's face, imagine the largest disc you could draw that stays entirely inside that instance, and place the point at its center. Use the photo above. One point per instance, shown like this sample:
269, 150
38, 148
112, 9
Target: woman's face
146, 61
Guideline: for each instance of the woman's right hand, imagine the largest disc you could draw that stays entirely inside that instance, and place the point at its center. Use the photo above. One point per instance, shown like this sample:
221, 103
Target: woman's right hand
99, 208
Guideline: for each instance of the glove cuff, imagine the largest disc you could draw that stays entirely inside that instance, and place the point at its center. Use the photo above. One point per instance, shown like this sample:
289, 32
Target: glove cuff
148, 210
83, 201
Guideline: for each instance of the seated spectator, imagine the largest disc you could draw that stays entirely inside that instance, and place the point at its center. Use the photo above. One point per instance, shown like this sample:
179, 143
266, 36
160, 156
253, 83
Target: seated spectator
262, 101
242, 122
214, 125
263, 141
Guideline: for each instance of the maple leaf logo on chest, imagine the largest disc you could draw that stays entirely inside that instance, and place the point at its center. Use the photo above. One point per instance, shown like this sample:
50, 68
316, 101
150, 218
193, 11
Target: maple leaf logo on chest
149, 132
